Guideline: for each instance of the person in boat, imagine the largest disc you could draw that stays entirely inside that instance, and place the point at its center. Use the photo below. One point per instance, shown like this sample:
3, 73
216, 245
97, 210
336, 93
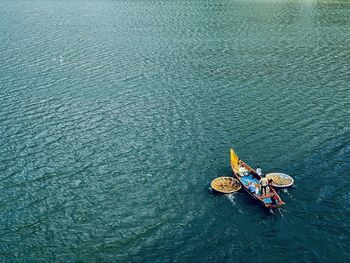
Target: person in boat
251, 188
274, 199
242, 169
258, 171
257, 189
263, 182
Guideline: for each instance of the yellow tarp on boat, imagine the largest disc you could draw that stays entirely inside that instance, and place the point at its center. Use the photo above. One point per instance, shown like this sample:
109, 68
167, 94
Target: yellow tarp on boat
234, 161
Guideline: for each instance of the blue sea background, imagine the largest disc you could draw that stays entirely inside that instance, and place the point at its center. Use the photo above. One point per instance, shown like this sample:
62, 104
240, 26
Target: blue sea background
116, 115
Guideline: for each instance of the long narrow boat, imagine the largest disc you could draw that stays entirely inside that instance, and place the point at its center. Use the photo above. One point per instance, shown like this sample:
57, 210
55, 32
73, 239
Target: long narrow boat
246, 175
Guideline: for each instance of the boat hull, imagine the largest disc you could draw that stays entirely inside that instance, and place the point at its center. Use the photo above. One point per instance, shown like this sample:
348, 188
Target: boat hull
253, 177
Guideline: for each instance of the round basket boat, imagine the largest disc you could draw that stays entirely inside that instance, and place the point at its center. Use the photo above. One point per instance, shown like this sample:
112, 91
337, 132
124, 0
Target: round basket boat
280, 179
226, 185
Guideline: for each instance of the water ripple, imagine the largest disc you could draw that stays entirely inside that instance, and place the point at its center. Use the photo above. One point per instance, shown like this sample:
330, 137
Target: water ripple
116, 116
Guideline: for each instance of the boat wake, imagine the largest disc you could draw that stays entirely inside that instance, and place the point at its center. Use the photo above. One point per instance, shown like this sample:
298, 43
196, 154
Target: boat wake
277, 211
280, 211
285, 190
231, 198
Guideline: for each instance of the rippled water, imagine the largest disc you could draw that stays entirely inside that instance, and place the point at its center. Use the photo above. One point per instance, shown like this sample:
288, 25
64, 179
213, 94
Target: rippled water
116, 115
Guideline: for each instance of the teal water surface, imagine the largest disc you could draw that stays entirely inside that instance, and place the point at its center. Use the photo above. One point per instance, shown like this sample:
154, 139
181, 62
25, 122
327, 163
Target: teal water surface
116, 115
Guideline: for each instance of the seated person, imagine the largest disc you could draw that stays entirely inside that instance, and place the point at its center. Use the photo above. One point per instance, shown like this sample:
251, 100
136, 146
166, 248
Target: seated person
251, 188
274, 199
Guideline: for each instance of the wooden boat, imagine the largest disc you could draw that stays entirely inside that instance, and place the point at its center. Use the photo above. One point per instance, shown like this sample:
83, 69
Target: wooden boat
225, 185
246, 175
